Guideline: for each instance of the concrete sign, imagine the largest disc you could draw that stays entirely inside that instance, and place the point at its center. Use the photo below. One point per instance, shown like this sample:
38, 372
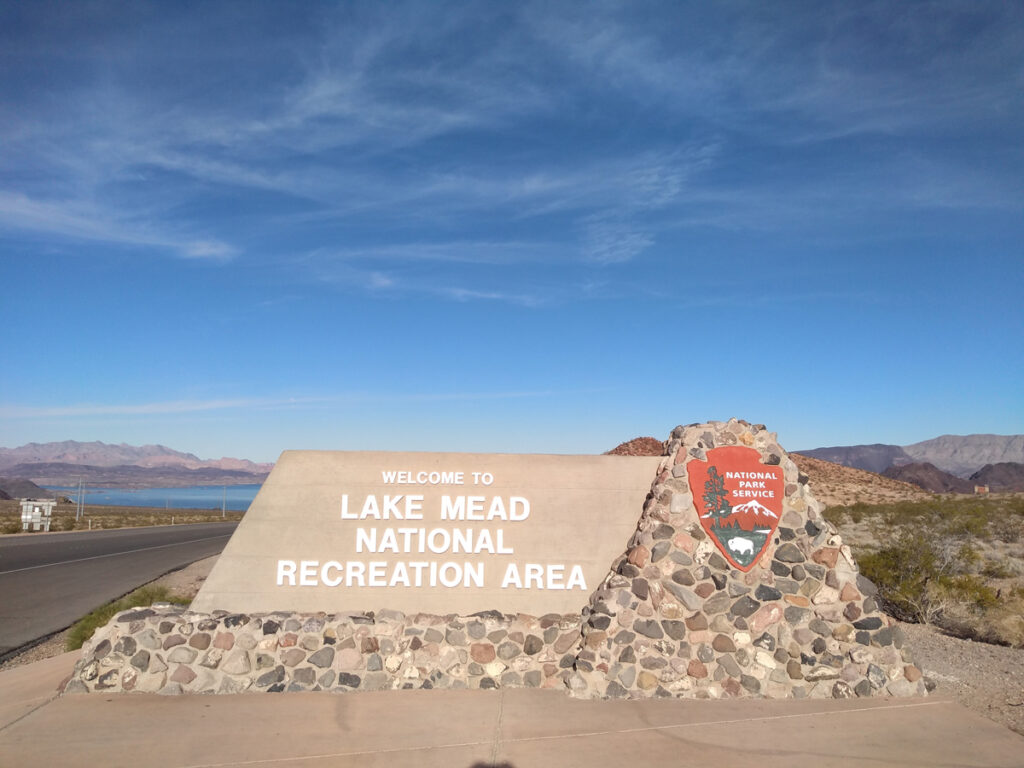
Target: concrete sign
430, 532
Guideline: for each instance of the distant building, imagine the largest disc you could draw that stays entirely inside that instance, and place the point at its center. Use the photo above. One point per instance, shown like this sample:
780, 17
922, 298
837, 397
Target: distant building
36, 514
981, 489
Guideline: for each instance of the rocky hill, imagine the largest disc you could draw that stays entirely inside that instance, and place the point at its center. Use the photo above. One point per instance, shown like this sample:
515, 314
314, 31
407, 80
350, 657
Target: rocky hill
16, 488
930, 478
876, 457
832, 484
1002, 477
638, 446
963, 454
960, 455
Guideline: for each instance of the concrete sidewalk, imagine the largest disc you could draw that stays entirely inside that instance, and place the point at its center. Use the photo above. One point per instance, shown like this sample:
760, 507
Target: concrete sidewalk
467, 729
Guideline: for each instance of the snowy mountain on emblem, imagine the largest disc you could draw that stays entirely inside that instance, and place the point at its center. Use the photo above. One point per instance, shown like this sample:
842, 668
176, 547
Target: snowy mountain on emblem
754, 507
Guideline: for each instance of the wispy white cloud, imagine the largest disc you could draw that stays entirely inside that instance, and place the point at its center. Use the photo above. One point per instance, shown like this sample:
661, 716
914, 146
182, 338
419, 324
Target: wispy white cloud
829, 71
393, 279
613, 241
522, 299
165, 408
81, 221
494, 252
179, 407
393, 139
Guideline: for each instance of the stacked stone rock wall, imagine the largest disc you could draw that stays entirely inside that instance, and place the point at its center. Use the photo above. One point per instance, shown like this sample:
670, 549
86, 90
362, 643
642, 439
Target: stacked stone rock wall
671, 619
167, 649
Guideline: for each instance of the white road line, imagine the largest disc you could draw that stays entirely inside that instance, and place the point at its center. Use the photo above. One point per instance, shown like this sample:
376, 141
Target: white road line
115, 554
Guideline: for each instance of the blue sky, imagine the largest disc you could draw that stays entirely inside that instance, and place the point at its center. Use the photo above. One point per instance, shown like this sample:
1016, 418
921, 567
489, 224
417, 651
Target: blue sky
238, 228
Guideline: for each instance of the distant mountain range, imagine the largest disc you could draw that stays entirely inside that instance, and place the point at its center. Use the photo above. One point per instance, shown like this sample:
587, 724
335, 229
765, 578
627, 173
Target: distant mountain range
929, 477
99, 454
127, 466
1005, 476
947, 464
959, 455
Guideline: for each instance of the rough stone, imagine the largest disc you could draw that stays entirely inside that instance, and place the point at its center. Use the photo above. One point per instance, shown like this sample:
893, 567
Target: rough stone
322, 658
744, 607
648, 628
275, 675
140, 660
869, 623
765, 594
723, 644
687, 597
348, 680
182, 655
696, 669
789, 553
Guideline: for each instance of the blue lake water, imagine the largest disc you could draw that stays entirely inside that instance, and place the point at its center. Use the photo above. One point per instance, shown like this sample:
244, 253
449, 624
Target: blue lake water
235, 497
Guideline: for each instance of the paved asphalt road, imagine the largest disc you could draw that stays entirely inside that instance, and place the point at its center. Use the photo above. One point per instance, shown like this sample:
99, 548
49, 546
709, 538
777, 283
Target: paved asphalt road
49, 581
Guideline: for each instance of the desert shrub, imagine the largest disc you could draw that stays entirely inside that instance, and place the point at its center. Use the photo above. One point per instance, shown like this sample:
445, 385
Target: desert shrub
967, 589
903, 573
969, 521
835, 515
1001, 621
968, 555
84, 628
997, 569
1009, 529
854, 512
921, 577
981, 518
67, 523
1006, 626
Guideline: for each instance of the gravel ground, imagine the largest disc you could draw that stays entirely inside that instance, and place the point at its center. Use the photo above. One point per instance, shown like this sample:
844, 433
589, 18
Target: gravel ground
51, 646
987, 679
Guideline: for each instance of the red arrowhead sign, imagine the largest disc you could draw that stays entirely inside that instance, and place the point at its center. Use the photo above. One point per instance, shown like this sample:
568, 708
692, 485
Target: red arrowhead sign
738, 501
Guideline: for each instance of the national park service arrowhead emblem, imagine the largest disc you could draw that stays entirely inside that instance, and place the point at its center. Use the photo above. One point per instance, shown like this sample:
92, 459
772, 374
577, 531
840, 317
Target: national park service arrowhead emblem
738, 501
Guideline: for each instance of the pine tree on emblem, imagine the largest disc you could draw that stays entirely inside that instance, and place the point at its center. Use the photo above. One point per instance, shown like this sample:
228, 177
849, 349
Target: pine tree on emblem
716, 496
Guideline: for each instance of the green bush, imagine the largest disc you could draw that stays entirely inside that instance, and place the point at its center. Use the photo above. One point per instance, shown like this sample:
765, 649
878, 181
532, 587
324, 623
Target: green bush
855, 512
835, 515
980, 517
903, 573
1009, 529
997, 569
84, 628
921, 578
970, 590
67, 523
